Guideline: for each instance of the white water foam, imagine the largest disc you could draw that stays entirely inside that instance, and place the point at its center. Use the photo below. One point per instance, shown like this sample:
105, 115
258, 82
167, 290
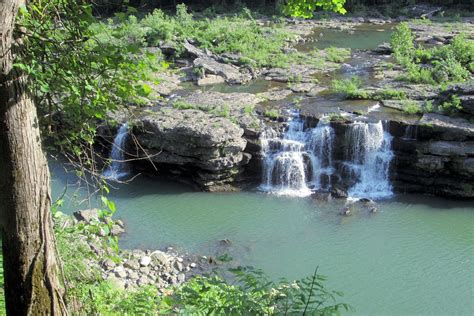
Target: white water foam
369, 157
297, 160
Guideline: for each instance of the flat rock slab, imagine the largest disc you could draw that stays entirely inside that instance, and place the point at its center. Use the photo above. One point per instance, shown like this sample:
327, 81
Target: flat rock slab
447, 128
230, 73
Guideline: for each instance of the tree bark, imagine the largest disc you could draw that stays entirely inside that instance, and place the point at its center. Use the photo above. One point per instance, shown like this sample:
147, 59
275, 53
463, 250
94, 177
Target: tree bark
30, 266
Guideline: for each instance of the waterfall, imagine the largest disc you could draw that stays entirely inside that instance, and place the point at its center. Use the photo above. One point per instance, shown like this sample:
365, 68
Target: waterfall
411, 132
368, 157
298, 160
118, 168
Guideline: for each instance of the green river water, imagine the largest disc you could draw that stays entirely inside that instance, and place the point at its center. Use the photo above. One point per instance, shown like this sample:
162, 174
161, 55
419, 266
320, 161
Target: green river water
415, 256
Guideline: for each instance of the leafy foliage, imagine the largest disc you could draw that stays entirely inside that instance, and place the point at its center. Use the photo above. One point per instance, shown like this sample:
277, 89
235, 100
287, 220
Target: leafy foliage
253, 293
351, 88
306, 8
453, 62
79, 70
258, 45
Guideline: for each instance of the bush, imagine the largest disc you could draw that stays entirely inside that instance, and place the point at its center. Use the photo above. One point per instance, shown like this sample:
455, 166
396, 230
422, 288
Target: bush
412, 107
273, 114
402, 43
254, 294
350, 88
447, 63
238, 34
337, 55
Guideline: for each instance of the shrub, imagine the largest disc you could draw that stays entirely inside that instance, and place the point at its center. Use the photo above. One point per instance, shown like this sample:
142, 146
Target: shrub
402, 43
412, 107
273, 114
254, 294
451, 106
249, 108
350, 88
337, 55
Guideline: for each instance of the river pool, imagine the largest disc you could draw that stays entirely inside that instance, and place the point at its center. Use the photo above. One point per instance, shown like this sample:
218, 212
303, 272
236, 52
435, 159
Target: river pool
415, 256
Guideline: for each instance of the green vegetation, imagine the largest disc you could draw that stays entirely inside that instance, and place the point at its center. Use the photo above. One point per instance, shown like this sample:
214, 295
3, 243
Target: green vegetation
272, 113
240, 34
337, 55
412, 107
80, 73
452, 105
249, 109
351, 88
306, 8
453, 62
2, 284
389, 94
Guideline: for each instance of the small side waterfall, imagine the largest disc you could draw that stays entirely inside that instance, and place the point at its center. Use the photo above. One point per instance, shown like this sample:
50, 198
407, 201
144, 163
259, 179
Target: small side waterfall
297, 160
118, 168
369, 156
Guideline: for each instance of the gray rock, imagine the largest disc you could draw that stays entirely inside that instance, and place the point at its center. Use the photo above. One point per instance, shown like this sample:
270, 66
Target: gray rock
132, 264
116, 282
117, 230
145, 270
315, 91
161, 257
275, 95
143, 280
120, 272
145, 261
383, 49
133, 275
210, 80
181, 278
87, 216
230, 73
178, 266
108, 264
302, 87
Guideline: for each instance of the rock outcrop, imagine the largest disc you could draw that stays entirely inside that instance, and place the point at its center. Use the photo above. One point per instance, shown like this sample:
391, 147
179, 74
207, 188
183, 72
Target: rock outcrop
192, 144
436, 157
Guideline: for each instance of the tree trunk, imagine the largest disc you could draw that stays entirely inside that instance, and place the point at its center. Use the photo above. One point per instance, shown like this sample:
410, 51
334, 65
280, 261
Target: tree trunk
31, 283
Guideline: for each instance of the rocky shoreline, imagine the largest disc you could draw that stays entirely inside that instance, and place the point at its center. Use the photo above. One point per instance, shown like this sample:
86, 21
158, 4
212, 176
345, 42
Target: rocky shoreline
124, 268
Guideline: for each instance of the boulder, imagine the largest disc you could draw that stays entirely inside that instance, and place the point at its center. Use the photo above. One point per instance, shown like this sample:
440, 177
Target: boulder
230, 73
132, 264
145, 261
302, 87
383, 49
210, 80
440, 127
339, 193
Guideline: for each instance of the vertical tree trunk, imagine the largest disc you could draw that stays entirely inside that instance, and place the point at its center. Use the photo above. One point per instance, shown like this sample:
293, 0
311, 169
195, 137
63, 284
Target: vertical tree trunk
30, 266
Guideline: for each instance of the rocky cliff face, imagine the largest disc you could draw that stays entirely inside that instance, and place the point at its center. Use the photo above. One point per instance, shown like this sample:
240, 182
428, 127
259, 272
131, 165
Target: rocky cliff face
192, 144
208, 144
435, 156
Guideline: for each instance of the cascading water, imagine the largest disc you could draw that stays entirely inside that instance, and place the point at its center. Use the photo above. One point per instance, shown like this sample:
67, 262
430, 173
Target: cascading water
297, 160
368, 157
118, 168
